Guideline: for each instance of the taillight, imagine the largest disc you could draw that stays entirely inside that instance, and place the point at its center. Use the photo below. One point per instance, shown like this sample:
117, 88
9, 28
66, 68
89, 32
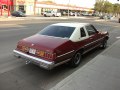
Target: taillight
50, 55
19, 47
25, 49
22, 48
46, 55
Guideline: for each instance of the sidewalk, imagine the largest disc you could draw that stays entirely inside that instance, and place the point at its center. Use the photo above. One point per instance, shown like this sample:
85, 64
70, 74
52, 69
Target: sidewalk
101, 73
10, 18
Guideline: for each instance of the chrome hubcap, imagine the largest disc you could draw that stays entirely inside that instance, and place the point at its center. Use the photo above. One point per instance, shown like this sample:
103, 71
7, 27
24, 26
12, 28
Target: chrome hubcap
77, 58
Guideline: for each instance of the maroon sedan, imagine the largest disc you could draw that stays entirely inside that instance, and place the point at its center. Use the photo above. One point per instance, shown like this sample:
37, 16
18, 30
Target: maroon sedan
60, 43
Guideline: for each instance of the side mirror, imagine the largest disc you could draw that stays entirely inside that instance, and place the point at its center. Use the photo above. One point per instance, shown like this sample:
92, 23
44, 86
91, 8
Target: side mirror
97, 31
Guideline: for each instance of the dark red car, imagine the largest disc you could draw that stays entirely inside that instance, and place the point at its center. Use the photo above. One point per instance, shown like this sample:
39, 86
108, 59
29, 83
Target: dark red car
60, 43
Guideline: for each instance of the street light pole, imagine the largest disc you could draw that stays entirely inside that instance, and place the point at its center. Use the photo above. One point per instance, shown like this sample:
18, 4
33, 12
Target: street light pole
8, 7
68, 7
1, 7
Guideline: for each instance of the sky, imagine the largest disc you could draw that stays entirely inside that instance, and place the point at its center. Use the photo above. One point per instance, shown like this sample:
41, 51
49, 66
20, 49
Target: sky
82, 3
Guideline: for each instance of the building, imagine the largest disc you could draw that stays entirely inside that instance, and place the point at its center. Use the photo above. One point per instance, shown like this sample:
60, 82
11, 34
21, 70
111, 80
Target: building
37, 7
48, 5
26, 6
6, 6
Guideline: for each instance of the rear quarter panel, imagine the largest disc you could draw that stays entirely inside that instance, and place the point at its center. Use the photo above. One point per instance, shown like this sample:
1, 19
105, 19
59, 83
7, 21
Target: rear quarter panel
64, 51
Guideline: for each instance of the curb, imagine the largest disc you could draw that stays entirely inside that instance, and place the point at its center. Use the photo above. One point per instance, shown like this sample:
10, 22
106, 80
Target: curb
66, 83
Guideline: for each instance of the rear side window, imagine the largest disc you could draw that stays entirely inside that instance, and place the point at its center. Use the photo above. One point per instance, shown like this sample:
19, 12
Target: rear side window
58, 31
82, 32
90, 30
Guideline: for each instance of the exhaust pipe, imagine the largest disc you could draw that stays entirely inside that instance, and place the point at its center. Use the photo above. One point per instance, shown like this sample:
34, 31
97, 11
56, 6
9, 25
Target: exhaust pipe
27, 62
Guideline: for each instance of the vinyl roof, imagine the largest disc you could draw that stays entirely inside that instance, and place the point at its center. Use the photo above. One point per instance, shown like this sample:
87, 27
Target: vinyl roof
71, 24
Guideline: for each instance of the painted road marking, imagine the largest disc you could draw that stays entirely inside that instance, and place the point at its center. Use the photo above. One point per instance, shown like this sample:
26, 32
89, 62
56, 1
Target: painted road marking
10, 25
13, 29
118, 37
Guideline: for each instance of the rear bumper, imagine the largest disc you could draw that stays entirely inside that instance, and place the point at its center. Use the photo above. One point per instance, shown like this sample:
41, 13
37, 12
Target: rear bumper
40, 62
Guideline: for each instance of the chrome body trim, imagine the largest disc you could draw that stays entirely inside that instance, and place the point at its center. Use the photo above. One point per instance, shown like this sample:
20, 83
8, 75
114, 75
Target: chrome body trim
65, 54
65, 61
94, 41
91, 49
40, 62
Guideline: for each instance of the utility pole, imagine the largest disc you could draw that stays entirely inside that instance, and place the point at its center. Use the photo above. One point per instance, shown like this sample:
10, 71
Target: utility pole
68, 7
0, 7
8, 7
35, 7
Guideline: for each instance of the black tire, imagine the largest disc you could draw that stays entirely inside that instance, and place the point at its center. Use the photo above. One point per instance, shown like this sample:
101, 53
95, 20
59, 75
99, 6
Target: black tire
76, 60
104, 44
53, 15
45, 15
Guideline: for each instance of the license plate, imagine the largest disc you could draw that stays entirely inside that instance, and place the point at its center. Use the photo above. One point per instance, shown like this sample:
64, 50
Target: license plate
32, 51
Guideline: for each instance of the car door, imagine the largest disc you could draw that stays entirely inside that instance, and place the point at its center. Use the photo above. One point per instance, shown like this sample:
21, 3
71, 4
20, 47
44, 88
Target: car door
94, 36
84, 40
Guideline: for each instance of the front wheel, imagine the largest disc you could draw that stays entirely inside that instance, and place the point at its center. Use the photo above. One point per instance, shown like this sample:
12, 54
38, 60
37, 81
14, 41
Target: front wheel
76, 60
45, 15
104, 44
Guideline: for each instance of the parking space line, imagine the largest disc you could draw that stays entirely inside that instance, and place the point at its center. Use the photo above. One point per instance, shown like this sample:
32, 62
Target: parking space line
118, 37
13, 29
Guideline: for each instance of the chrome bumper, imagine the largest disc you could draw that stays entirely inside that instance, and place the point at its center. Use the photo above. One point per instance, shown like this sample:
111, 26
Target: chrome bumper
42, 63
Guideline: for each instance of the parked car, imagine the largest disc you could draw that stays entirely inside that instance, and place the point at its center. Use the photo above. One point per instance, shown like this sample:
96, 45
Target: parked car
106, 17
86, 14
60, 43
52, 13
18, 14
72, 14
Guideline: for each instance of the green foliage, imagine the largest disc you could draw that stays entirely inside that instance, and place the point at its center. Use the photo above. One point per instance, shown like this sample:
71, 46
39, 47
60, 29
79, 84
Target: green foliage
99, 6
107, 7
116, 8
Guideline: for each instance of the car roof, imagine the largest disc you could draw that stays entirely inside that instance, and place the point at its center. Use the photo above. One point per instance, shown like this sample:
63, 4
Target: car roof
74, 24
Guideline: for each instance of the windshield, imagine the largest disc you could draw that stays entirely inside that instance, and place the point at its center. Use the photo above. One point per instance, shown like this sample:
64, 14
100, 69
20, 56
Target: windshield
58, 31
21, 13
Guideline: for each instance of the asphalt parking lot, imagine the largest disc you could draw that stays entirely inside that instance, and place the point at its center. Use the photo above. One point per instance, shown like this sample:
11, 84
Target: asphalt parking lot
16, 75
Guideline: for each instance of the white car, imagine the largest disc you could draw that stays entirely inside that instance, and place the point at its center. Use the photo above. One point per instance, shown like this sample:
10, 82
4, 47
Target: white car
52, 13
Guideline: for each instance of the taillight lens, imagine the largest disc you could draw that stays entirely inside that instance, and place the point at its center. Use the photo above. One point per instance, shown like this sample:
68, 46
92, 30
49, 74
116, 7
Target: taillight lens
46, 55
23, 48
40, 53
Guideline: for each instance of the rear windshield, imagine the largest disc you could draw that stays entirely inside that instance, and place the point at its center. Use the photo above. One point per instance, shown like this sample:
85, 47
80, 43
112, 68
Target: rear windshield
58, 31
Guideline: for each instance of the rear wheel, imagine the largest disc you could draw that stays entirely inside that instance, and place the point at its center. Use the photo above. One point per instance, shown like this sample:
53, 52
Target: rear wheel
76, 60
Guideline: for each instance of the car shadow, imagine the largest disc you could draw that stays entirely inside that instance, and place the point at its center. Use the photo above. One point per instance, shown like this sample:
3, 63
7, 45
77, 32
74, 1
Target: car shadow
34, 75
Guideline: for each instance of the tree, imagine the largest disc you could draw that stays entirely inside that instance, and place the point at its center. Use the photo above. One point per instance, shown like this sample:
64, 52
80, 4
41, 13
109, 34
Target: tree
116, 8
99, 6
108, 7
